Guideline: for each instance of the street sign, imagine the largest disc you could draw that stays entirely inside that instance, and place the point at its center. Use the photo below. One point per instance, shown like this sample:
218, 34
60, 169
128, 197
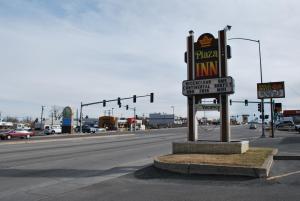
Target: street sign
223, 85
207, 107
270, 90
67, 122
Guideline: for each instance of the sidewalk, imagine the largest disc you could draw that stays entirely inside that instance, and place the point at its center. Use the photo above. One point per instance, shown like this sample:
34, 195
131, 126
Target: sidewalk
286, 142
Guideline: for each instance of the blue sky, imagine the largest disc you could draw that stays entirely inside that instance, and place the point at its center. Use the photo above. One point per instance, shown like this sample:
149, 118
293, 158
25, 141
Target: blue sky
64, 52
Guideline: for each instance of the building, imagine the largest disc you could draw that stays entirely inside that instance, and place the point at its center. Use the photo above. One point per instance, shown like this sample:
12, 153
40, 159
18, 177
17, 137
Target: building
295, 114
158, 120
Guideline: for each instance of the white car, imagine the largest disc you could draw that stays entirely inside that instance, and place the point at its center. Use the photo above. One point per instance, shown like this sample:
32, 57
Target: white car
52, 129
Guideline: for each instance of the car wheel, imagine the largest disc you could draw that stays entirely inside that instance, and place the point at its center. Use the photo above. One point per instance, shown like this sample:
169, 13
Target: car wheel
53, 132
8, 137
27, 136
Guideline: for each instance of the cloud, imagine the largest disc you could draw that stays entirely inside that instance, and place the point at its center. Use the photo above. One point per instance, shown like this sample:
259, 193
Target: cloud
62, 52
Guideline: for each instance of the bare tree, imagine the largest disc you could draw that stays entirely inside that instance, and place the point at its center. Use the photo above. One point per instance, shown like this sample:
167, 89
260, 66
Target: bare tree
27, 120
56, 111
12, 119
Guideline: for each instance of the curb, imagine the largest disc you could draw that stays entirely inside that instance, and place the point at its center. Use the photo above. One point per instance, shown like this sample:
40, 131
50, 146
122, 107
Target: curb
286, 157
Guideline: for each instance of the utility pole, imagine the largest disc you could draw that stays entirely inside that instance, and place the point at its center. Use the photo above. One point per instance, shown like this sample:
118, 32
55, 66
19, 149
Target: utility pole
42, 115
134, 113
173, 107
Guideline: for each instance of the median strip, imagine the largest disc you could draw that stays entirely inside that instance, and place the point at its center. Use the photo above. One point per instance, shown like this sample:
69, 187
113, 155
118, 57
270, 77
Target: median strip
256, 163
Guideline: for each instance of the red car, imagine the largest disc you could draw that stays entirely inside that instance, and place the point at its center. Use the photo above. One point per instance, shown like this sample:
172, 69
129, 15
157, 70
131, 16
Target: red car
18, 133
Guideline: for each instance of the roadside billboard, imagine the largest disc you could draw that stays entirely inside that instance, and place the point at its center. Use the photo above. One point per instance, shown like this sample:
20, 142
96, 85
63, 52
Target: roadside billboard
270, 90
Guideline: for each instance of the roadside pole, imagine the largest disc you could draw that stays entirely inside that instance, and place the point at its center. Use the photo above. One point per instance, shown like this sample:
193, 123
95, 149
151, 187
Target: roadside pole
134, 113
191, 112
42, 117
272, 117
225, 127
80, 128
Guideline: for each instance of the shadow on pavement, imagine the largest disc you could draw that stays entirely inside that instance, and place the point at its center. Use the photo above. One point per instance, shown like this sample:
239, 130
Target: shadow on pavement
152, 172
291, 140
67, 173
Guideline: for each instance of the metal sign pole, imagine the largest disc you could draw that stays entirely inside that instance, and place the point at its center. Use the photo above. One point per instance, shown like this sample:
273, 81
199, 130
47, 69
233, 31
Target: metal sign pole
191, 112
225, 127
272, 117
80, 128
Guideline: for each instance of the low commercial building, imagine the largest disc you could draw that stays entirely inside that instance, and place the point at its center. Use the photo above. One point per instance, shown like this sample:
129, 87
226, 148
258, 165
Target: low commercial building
158, 120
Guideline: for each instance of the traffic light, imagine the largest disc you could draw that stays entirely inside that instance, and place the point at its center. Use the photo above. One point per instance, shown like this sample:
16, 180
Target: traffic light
134, 98
127, 107
278, 107
230, 102
151, 97
215, 101
228, 52
259, 107
246, 102
104, 103
119, 101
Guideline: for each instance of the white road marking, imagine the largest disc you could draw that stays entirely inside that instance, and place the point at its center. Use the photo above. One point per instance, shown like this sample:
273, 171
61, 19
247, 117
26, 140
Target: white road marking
283, 175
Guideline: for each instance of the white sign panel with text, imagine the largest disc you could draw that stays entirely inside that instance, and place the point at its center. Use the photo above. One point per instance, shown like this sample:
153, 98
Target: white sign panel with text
224, 85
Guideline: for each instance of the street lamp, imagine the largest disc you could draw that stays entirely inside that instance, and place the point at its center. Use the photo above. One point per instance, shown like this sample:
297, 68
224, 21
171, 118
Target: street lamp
261, 81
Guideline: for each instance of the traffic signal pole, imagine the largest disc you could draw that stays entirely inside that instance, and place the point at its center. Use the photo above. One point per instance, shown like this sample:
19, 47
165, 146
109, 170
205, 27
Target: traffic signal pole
134, 97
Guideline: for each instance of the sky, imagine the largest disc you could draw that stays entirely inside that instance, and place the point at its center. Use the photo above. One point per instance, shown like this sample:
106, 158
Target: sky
64, 52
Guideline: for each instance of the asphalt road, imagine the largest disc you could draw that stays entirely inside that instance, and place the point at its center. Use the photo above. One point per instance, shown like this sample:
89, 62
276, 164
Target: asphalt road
118, 167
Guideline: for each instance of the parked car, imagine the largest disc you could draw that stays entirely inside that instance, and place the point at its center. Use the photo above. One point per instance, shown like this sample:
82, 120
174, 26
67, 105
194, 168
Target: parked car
286, 125
18, 133
52, 129
86, 129
297, 127
252, 126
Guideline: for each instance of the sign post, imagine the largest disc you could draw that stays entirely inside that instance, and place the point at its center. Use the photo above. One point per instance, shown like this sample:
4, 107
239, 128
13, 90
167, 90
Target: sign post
271, 90
207, 78
192, 121
67, 120
225, 130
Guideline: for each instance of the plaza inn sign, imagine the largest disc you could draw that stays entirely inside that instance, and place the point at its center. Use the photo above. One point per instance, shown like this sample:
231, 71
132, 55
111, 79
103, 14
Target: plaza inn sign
206, 57
207, 78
